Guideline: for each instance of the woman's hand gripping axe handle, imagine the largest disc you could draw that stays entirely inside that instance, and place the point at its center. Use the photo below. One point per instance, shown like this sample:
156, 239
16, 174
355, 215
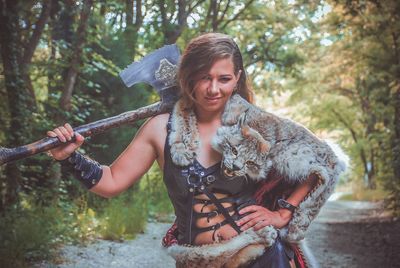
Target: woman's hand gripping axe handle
157, 69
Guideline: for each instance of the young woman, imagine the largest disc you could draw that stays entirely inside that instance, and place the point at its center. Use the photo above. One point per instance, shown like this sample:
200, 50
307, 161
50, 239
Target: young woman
210, 71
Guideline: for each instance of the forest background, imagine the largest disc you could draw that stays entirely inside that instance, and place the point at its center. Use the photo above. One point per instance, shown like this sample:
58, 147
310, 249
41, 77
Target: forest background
332, 65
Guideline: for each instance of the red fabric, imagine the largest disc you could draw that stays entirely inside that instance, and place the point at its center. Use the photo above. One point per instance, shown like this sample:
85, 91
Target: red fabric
170, 237
298, 257
265, 187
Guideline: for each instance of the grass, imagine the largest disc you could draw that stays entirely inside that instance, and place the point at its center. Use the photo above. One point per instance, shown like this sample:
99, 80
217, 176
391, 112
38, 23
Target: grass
28, 235
31, 231
123, 218
360, 193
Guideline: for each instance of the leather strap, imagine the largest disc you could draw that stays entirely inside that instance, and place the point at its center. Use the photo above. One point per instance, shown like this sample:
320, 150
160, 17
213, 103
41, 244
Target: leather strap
222, 210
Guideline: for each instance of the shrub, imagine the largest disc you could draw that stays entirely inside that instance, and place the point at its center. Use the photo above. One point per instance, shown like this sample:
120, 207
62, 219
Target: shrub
124, 217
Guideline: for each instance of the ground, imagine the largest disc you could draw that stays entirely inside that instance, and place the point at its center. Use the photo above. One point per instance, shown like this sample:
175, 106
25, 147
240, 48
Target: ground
355, 234
345, 234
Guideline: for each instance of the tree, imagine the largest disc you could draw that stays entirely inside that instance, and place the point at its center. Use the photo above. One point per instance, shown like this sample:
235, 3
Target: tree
355, 76
18, 96
79, 42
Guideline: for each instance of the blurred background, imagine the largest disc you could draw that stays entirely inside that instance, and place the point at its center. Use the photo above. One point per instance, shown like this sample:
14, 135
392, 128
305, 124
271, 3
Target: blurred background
334, 66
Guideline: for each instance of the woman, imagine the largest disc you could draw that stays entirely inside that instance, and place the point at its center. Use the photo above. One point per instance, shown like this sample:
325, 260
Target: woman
211, 70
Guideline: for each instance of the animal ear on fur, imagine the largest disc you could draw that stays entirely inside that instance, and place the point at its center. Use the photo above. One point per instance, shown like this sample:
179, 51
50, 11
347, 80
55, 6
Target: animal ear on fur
246, 131
235, 107
263, 146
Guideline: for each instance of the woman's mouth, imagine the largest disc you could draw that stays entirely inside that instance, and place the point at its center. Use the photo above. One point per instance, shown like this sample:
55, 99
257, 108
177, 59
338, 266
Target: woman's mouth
212, 100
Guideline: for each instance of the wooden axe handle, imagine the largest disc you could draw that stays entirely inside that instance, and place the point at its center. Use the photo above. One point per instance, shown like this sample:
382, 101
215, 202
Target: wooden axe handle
91, 129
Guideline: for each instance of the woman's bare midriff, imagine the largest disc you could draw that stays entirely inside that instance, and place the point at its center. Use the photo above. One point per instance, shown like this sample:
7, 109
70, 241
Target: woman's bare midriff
225, 232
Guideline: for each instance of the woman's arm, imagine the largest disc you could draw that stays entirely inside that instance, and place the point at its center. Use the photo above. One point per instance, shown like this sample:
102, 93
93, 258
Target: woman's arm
130, 166
261, 216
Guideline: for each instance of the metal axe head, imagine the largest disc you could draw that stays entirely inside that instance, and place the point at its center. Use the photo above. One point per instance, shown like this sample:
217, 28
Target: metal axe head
158, 69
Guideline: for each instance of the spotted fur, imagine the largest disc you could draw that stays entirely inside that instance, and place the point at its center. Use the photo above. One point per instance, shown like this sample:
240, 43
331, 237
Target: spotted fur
232, 253
268, 141
253, 142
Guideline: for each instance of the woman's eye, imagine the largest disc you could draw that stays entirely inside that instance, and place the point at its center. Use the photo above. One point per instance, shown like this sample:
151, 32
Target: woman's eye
234, 151
250, 163
225, 79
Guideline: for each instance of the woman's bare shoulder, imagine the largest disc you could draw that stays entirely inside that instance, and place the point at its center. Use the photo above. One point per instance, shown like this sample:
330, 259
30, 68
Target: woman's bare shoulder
158, 122
155, 127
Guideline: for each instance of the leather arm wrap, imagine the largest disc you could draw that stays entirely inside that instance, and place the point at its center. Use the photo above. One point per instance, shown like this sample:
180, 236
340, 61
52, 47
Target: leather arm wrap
87, 171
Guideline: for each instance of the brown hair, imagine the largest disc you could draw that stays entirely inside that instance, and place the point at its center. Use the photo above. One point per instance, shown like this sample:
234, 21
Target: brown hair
200, 54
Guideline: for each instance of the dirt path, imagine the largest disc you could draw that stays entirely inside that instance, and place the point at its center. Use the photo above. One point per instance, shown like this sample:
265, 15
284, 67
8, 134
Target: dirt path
345, 234
355, 234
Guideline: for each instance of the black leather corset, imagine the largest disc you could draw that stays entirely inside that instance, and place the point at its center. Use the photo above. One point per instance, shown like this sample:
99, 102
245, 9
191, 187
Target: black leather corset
179, 181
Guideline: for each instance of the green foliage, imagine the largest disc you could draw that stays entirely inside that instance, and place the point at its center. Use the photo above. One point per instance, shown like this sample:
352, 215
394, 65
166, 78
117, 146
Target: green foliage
153, 187
25, 235
360, 193
337, 59
346, 87
31, 232
124, 216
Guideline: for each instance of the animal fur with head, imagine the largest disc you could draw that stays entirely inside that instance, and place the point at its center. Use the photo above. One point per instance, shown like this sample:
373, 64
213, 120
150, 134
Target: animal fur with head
253, 142
184, 142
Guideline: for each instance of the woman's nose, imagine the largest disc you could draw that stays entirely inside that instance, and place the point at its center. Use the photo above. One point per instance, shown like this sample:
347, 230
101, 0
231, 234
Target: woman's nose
213, 88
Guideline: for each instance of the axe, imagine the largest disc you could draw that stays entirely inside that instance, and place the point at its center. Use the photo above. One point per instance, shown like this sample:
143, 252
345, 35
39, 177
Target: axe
157, 69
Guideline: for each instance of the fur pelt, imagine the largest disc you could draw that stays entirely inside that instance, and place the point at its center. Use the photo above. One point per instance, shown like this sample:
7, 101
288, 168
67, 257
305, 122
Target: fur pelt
184, 136
232, 253
184, 142
295, 153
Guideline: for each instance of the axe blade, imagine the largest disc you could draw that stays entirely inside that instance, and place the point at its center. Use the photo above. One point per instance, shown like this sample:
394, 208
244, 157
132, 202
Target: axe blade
157, 69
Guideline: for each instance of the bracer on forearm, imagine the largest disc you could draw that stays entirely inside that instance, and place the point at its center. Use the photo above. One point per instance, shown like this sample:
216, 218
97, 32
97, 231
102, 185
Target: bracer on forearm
86, 170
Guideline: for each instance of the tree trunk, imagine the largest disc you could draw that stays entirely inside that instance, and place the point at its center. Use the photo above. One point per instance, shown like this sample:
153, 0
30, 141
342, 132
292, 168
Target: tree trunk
396, 102
132, 26
173, 31
19, 99
31, 45
396, 138
61, 22
70, 80
214, 14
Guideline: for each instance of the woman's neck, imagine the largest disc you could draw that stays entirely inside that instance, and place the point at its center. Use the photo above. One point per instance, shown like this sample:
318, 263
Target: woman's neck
204, 117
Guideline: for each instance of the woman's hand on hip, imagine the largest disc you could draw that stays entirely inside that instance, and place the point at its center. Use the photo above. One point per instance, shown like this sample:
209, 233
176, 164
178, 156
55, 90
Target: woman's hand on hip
64, 134
260, 217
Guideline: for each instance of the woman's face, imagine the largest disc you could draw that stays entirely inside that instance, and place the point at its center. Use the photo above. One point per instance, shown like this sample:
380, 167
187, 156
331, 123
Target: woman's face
213, 90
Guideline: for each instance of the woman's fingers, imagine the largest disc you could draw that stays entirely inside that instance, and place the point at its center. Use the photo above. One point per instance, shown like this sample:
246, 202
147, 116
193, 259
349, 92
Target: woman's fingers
79, 139
261, 224
60, 135
249, 209
252, 223
70, 130
248, 218
65, 133
51, 133
258, 217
